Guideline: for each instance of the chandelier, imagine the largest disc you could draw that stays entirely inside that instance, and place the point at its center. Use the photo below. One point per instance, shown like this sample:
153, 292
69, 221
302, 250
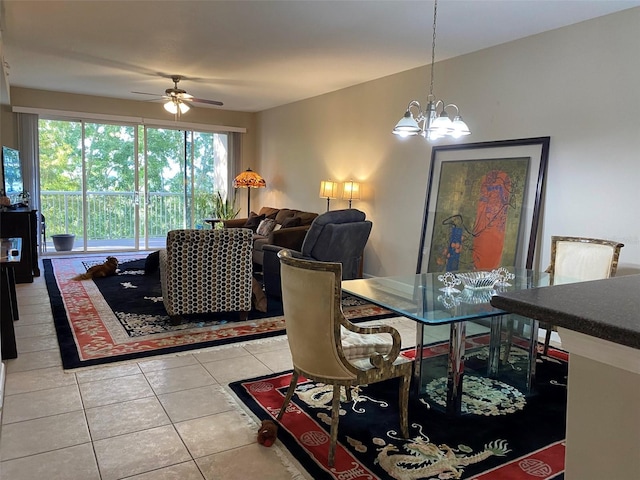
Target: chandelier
433, 122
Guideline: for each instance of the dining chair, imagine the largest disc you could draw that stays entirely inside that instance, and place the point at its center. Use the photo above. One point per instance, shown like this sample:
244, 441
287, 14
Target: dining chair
327, 348
582, 259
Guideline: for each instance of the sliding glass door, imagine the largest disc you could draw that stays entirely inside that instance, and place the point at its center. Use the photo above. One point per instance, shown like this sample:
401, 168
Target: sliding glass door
88, 184
183, 172
123, 187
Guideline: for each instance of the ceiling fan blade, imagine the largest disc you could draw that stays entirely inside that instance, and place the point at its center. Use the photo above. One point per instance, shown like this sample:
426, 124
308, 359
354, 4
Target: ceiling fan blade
145, 93
201, 100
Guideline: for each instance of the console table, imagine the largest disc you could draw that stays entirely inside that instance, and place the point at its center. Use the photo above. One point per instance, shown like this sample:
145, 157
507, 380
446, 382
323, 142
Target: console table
599, 324
421, 298
10, 256
23, 223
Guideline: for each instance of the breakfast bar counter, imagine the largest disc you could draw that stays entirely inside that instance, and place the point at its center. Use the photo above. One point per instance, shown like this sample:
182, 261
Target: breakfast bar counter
599, 325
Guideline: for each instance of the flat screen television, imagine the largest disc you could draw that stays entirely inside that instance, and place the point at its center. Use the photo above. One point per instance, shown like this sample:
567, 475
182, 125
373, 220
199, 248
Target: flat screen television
12, 172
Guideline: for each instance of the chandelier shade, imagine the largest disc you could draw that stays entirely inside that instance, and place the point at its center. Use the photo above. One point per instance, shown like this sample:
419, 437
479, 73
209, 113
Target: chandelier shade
433, 122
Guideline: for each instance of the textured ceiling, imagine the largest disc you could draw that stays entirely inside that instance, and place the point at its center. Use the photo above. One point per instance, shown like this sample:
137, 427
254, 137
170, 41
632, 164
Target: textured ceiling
253, 55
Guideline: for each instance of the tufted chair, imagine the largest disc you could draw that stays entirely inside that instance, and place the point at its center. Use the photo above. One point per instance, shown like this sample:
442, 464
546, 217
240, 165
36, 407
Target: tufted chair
206, 271
322, 344
334, 236
581, 259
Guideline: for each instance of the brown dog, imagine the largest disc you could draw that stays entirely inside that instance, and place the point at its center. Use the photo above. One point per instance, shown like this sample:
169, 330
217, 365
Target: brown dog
99, 271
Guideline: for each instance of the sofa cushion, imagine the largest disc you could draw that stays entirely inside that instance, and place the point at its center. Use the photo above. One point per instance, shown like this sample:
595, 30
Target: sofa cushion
283, 214
306, 218
291, 222
269, 212
266, 226
253, 221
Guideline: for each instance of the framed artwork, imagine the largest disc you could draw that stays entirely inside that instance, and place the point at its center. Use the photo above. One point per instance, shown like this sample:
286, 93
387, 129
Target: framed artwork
483, 205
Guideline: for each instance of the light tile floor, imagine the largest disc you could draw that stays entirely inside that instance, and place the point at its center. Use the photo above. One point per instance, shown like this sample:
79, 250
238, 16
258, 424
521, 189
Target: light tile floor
159, 418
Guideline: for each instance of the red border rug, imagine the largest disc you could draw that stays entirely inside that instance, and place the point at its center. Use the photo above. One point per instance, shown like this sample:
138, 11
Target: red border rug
523, 445
122, 317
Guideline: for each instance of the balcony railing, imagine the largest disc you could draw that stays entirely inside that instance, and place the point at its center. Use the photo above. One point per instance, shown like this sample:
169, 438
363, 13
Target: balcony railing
111, 215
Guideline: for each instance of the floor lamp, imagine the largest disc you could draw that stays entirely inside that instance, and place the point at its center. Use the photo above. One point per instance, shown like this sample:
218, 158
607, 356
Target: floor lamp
351, 191
328, 190
249, 179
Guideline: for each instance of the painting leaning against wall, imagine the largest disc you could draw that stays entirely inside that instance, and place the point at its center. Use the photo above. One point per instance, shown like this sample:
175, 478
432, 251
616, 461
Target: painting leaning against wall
482, 206
478, 213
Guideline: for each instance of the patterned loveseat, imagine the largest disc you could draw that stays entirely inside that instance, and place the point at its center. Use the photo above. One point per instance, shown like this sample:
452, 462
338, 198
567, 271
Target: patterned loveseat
204, 271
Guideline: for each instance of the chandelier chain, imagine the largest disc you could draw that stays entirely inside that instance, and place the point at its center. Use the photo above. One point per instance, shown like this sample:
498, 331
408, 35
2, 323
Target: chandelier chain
433, 46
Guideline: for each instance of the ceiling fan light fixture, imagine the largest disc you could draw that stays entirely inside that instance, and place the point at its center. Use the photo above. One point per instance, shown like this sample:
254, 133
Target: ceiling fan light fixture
184, 108
171, 107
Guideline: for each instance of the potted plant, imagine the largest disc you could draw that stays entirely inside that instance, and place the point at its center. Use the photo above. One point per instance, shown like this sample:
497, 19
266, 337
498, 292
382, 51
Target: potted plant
224, 209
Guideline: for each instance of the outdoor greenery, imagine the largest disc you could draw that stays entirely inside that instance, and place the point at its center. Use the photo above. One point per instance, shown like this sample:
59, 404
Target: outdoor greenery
178, 179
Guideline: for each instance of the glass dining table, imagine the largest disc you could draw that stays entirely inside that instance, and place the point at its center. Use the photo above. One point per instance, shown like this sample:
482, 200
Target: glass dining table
484, 342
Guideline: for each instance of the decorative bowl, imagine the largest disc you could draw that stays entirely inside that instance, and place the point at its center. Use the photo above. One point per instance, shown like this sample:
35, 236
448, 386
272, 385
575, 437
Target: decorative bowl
478, 280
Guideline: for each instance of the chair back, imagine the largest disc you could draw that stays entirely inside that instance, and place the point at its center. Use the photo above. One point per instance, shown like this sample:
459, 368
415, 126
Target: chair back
207, 271
338, 236
311, 300
579, 258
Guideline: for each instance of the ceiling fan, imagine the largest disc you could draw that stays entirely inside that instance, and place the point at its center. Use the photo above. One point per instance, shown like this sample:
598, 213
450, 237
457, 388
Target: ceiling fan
178, 100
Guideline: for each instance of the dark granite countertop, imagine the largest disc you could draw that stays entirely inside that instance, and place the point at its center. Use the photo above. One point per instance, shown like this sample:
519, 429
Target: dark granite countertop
607, 309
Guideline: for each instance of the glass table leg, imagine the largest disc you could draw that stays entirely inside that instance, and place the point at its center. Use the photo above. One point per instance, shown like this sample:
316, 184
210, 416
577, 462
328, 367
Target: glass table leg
455, 373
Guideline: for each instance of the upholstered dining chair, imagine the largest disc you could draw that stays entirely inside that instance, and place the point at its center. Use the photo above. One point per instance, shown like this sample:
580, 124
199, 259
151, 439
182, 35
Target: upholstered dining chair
582, 259
327, 348
206, 271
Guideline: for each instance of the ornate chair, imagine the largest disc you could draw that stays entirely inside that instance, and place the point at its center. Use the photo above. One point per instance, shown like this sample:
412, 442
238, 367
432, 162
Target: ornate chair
578, 258
326, 347
334, 236
206, 271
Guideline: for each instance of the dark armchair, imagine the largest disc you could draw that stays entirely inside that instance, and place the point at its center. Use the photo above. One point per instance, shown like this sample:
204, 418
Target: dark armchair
334, 236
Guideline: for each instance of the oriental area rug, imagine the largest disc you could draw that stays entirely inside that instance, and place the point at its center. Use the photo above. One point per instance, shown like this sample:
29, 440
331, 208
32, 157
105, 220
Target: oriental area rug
122, 317
522, 443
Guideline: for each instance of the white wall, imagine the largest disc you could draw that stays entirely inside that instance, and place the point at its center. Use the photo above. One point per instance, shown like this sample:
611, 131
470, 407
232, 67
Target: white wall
580, 85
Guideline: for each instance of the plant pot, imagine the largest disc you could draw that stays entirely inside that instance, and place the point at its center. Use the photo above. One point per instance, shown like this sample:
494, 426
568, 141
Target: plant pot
63, 242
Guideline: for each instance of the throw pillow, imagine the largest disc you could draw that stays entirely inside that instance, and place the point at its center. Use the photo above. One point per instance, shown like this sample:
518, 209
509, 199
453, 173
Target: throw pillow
152, 263
266, 227
291, 222
253, 221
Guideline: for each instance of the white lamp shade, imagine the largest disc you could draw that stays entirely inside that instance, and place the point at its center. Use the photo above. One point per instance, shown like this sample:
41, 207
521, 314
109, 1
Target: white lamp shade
328, 189
407, 126
351, 191
460, 128
171, 107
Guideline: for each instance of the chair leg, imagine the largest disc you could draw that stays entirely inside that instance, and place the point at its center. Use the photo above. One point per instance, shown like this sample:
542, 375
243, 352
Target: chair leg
547, 339
335, 417
287, 398
347, 393
404, 404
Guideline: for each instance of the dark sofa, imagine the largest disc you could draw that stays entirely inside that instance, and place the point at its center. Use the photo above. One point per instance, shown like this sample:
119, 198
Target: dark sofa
334, 236
290, 229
